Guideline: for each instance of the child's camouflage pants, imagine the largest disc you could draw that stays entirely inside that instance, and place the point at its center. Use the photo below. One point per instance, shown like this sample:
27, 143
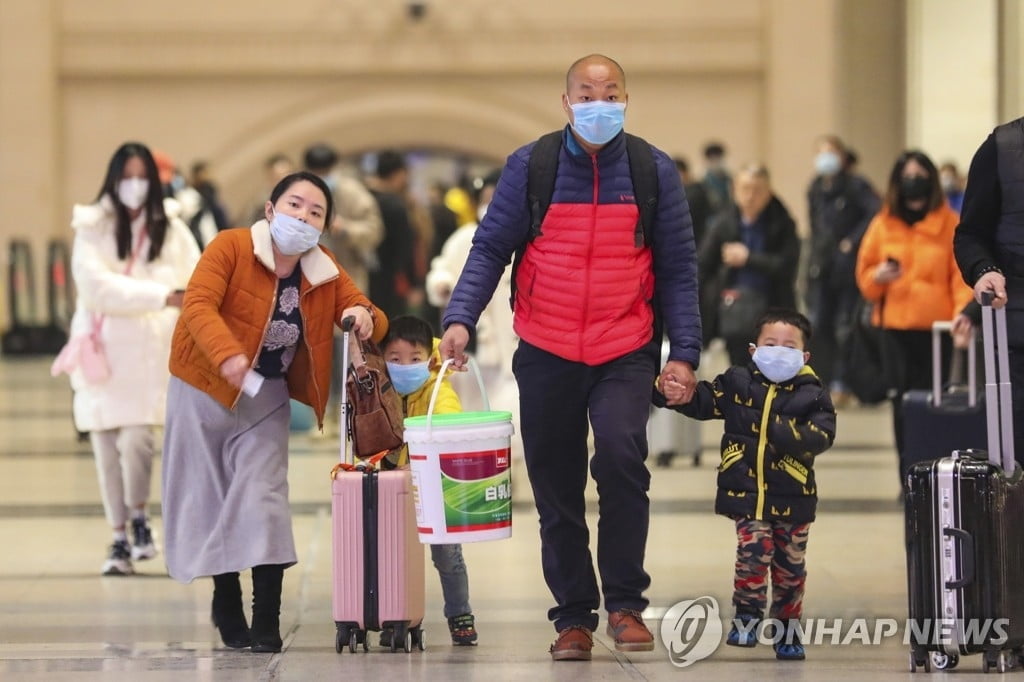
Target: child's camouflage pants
770, 544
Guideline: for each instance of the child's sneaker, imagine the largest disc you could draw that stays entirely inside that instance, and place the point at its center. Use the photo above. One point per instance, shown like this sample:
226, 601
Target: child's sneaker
142, 541
463, 630
788, 646
747, 637
789, 652
119, 562
387, 636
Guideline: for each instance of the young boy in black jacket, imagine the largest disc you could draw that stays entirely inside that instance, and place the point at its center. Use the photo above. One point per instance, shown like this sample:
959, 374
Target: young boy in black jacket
778, 417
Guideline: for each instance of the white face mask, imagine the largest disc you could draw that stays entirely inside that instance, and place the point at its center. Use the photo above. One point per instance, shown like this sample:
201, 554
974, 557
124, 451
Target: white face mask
293, 236
827, 163
133, 192
778, 363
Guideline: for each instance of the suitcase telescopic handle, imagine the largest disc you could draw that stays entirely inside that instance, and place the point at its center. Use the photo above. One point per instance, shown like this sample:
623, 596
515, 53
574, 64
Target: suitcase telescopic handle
998, 392
967, 555
946, 326
347, 323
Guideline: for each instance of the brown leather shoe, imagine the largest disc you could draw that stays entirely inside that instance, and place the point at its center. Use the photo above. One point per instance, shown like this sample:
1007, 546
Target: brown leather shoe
573, 644
628, 629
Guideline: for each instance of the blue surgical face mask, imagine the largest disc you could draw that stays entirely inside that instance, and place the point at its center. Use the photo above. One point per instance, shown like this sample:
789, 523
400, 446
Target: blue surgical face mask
778, 363
408, 378
598, 122
291, 235
827, 163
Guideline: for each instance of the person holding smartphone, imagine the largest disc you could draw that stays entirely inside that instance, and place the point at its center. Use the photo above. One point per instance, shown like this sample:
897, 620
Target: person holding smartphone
906, 267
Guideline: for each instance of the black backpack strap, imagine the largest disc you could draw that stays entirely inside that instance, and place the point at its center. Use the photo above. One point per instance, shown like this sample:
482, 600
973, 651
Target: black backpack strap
540, 178
645, 186
541, 170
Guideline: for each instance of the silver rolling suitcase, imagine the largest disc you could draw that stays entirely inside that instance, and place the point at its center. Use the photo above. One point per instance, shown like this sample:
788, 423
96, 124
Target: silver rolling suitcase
965, 537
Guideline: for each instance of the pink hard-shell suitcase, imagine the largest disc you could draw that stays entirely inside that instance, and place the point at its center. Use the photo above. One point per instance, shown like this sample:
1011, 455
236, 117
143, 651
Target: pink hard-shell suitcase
378, 559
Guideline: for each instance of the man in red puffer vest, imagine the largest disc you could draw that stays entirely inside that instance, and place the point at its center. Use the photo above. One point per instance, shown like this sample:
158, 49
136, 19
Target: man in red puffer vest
591, 289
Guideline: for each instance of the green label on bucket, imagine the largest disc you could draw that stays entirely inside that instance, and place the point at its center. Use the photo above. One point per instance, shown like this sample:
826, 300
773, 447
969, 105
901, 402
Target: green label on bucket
477, 490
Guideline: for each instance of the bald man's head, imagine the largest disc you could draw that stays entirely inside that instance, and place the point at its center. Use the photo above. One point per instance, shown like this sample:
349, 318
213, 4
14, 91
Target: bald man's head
580, 65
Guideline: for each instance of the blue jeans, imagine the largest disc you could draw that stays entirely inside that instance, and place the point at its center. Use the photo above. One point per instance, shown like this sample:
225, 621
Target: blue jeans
454, 580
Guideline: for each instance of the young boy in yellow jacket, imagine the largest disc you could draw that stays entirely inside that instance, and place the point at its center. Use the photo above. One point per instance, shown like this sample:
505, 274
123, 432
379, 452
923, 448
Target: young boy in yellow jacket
410, 351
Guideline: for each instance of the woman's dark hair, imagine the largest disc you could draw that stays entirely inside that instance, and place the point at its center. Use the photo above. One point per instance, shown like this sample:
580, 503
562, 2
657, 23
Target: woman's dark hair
156, 219
786, 316
298, 176
894, 193
411, 329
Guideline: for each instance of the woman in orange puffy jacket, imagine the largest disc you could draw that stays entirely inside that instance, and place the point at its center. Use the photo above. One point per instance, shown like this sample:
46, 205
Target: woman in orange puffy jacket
256, 330
906, 268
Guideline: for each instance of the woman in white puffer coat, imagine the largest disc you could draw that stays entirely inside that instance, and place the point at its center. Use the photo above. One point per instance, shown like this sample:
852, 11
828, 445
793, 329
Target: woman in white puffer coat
495, 340
131, 260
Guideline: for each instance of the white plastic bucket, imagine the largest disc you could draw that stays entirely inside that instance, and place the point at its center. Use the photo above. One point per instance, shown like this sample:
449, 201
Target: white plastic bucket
461, 472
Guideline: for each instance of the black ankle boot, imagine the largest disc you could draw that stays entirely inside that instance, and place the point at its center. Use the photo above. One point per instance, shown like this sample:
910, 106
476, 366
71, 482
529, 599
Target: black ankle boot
227, 614
266, 608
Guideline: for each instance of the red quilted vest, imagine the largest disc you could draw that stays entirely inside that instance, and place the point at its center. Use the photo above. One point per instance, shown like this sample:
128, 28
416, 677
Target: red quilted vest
583, 288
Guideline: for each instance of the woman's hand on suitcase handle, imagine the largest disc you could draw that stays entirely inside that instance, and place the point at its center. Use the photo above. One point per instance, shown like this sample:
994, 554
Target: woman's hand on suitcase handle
961, 331
453, 345
363, 326
234, 369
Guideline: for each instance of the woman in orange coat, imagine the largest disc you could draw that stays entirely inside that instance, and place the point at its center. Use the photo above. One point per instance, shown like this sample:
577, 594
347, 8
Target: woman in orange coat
905, 267
256, 329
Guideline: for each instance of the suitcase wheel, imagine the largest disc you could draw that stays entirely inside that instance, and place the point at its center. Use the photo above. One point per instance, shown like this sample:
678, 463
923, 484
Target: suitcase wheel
417, 638
340, 639
408, 642
943, 661
1000, 660
920, 661
353, 641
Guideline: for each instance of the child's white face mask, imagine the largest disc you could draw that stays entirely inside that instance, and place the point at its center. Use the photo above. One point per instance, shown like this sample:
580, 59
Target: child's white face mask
778, 363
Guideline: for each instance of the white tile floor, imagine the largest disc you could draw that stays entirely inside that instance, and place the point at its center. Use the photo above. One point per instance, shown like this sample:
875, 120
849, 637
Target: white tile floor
60, 620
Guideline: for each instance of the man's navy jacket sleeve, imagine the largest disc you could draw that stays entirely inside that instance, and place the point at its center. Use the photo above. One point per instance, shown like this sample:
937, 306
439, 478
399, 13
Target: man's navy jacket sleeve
675, 265
503, 230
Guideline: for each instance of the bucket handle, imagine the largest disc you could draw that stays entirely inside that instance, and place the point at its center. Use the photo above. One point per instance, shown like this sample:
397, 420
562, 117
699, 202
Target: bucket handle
437, 388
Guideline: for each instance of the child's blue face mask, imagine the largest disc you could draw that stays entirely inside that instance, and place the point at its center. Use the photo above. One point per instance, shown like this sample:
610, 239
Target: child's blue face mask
408, 378
778, 363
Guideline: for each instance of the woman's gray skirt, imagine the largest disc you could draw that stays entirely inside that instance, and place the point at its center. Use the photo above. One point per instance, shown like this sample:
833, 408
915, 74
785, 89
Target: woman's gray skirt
225, 482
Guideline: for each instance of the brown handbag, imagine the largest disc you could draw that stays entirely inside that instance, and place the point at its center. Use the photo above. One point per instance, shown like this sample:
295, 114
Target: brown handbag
375, 421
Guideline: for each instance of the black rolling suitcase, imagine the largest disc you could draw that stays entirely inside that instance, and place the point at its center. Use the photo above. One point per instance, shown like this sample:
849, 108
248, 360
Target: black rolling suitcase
965, 538
26, 336
939, 421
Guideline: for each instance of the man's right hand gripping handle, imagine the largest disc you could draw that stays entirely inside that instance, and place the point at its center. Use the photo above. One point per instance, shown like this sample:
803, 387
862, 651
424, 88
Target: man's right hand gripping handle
453, 345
